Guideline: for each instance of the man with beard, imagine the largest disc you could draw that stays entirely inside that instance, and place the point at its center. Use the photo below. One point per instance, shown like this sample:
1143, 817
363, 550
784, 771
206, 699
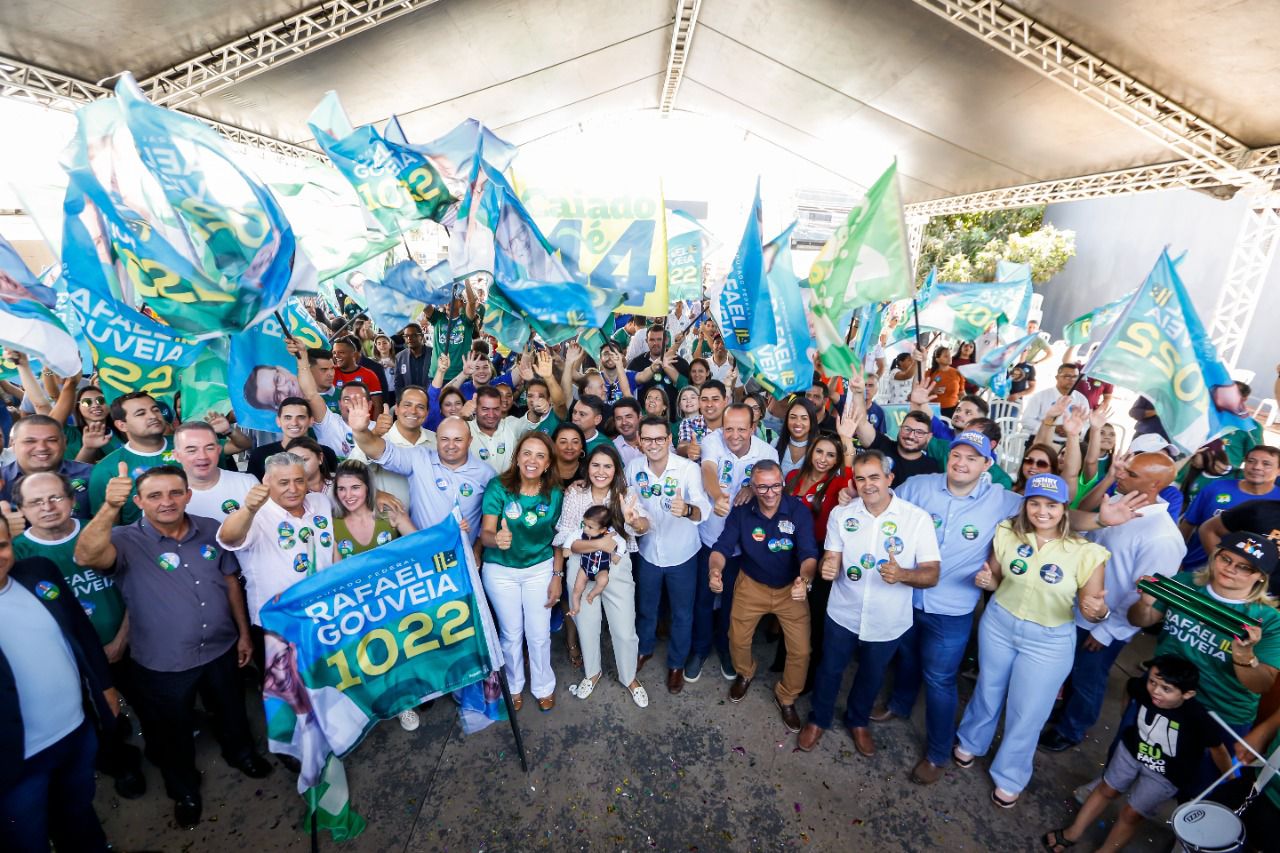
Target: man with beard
39, 445
618, 381
214, 493
348, 369
626, 422
138, 417
495, 436
907, 453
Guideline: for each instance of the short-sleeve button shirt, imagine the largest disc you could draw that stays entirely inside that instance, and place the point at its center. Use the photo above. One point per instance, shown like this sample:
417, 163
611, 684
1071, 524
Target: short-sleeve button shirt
1040, 584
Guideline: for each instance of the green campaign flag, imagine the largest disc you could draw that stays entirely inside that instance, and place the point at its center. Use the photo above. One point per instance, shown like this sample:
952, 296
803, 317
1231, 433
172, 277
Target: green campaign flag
591, 340
203, 383
1081, 330
329, 804
865, 261
965, 310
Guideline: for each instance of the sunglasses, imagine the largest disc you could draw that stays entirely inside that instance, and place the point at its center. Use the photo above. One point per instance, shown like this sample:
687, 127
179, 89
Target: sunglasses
1038, 464
93, 401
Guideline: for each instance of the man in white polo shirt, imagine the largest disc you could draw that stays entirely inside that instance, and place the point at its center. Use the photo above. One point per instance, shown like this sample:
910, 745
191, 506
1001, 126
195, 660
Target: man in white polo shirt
493, 437
879, 549
670, 490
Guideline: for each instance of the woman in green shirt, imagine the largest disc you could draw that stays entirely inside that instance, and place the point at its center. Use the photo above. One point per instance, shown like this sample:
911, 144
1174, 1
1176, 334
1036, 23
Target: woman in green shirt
523, 575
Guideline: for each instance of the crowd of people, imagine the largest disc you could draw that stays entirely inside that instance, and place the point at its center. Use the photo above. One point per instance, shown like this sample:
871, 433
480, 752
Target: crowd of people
654, 488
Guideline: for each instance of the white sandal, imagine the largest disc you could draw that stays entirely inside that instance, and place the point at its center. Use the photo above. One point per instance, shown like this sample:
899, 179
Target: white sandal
639, 695
583, 688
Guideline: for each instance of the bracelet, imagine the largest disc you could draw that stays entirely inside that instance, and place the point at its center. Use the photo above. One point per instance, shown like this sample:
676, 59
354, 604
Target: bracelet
556, 574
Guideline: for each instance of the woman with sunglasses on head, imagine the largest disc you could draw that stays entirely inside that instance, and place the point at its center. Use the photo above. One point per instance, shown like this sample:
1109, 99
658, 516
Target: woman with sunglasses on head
799, 427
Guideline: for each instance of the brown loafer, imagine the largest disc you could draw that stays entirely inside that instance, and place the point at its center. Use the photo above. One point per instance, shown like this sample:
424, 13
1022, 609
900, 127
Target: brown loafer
926, 772
675, 680
809, 737
546, 703
882, 715
862, 740
517, 700
790, 718
641, 660
739, 688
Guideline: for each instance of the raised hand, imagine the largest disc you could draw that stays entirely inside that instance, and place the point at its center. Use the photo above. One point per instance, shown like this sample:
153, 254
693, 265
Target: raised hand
984, 579
1074, 423
524, 366
1113, 513
829, 569
503, 536
572, 355
383, 425
1059, 407
470, 362
715, 580
721, 507
1094, 607
694, 451
95, 435
678, 506
12, 518
544, 366
1098, 417
218, 421
442, 364
358, 418
256, 497
891, 572
845, 497
119, 487
295, 349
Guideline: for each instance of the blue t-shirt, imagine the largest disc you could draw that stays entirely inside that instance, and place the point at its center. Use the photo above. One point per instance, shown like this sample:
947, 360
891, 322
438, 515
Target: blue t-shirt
1212, 500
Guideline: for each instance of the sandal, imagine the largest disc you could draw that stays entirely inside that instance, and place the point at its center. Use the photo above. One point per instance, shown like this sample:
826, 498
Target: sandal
639, 696
1059, 842
584, 688
964, 763
1000, 801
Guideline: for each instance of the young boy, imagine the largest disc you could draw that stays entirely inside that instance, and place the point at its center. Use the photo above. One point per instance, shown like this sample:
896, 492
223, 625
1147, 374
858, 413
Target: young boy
595, 565
1156, 756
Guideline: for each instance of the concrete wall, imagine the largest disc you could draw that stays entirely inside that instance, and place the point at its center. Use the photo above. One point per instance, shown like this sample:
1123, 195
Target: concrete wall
1118, 241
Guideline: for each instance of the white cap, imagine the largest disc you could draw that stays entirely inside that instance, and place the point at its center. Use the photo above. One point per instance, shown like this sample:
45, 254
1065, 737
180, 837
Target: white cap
1150, 443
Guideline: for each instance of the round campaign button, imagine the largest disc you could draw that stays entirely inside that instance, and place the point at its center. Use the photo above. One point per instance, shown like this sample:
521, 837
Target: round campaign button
301, 563
229, 506
785, 544
78, 484
208, 552
969, 532
47, 590
320, 521
851, 525
384, 537
888, 528
169, 561
1018, 567
758, 534
530, 519
853, 573
442, 484
1050, 573
868, 561
325, 539
512, 510
893, 545
345, 548
937, 520
466, 490
305, 534
285, 530
484, 453
773, 545
1025, 550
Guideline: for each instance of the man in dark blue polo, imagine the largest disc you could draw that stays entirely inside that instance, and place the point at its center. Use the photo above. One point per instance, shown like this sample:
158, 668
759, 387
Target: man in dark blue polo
772, 534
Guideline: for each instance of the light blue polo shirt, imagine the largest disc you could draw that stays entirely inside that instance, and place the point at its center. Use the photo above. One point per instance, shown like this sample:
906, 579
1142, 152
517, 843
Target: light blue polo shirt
965, 527
435, 489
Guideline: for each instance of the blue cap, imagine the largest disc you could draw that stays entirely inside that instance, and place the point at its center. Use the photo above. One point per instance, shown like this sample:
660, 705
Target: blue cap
976, 440
1049, 486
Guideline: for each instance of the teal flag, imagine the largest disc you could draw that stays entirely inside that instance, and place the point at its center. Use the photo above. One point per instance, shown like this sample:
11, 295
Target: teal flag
1093, 325
1158, 347
203, 383
376, 634
744, 306
787, 366
992, 370
27, 321
686, 241
965, 310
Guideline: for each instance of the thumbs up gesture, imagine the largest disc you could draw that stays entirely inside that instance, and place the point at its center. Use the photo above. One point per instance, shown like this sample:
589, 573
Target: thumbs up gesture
799, 589
722, 505
119, 487
503, 537
12, 518
715, 580
256, 497
829, 569
984, 579
1094, 607
383, 424
678, 506
891, 572
694, 450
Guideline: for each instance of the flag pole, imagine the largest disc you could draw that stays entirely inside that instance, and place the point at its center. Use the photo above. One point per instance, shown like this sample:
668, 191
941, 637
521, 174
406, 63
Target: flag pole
915, 311
511, 717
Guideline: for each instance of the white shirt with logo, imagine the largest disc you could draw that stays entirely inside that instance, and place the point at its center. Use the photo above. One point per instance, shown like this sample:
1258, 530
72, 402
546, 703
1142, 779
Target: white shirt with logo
223, 498
860, 601
732, 472
670, 540
498, 451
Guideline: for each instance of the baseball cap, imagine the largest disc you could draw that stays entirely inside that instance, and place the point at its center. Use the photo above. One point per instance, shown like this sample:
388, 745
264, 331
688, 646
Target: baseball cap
1257, 549
976, 440
1149, 443
1049, 486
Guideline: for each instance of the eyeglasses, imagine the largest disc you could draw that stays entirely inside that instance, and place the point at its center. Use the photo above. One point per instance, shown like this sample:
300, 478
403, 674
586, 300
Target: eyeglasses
51, 501
93, 401
912, 431
1038, 464
653, 440
767, 488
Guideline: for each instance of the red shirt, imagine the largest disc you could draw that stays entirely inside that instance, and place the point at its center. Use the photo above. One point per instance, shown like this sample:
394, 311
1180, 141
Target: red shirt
821, 498
1093, 390
363, 375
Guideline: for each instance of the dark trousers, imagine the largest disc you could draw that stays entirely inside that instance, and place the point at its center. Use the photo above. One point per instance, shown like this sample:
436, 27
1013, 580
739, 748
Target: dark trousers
711, 626
840, 647
1086, 689
166, 704
116, 756
53, 800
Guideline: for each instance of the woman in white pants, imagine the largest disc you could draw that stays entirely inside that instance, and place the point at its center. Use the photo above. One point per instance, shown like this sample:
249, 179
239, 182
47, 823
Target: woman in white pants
606, 485
522, 573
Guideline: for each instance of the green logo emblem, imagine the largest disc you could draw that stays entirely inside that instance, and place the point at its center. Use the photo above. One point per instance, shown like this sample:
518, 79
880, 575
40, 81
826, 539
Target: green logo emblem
1018, 567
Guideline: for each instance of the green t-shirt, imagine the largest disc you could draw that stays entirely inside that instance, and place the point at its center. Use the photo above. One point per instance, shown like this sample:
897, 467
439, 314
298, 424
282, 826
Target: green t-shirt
98, 595
549, 423
348, 545
75, 441
1238, 444
600, 440
453, 338
1189, 638
937, 450
531, 519
138, 463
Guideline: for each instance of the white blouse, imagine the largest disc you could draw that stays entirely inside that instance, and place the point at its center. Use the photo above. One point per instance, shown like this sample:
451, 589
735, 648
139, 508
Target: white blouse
575, 505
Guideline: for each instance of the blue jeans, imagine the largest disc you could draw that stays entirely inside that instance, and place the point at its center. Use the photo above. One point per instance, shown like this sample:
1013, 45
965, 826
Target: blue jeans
711, 625
53, 799
1087, 687
1021, 665
931, 652
838, 647
680, 581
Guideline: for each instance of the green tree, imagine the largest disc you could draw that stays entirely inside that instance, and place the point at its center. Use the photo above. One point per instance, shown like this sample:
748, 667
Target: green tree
966, 247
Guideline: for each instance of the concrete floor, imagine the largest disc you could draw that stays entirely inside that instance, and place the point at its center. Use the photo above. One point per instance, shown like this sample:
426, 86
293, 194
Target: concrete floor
689, 773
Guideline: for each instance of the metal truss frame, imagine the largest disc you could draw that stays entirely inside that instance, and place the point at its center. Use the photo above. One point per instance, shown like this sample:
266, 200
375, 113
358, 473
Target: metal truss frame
310, 30
24, 82
686, 19
1255, 249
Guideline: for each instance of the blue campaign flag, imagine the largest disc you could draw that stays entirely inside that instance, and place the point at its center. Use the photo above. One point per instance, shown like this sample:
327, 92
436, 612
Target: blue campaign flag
1018, 275
870, 321
786, 366
29, 323
453, 154
744, 301
398, 299
260, 375
992, 370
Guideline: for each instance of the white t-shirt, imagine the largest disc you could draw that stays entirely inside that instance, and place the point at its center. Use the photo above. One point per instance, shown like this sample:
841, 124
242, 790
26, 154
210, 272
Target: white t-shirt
1035, 407
732, 472
333, 433
499, 450
225, 497
860, 601
282, 548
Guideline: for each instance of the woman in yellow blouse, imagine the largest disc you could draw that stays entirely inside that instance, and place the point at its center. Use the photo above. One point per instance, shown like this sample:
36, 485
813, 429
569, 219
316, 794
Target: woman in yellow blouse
1040, 571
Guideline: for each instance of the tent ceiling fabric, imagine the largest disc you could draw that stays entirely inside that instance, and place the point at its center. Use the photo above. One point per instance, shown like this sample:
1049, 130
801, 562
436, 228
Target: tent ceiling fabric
843, 84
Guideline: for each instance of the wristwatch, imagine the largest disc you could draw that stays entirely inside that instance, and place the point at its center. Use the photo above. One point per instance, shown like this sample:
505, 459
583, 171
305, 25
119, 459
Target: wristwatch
556, 574
1252, 663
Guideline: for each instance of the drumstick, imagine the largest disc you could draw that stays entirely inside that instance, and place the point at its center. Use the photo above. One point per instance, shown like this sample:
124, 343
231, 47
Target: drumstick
1227, 612
1190, 604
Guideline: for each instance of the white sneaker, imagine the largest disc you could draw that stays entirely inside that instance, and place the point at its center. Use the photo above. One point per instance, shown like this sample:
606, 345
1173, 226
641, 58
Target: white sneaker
409, 720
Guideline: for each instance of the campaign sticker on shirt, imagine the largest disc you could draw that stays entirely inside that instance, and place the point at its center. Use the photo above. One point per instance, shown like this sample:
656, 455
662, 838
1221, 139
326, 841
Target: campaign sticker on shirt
466, 490
46, 590
785, 544
774, 546
325, 539
937, 520
853, 573
512, 510
530, 519
1018, 567
642, 477
305, 534
320, 521
669, 486
502, 447
229, 506
758, 534
969, 532
208, 552
888, 528
1025, 550
78, 484
893, 545
442, 484
88, 608
301, 563
786, 526
542, 509
1224, 498
726, 472
484, 453
168, 561
285, 530
1050, 573
138, 472
851, 525
868, 561
384, 537
167, 457
286, 542
345, 548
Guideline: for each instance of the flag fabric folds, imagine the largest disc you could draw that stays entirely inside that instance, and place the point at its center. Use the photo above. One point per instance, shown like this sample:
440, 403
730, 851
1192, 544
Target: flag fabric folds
29, 324
992, 370
965, 310
397, 300
1158, 347
745, 308
1093, 325
787, 366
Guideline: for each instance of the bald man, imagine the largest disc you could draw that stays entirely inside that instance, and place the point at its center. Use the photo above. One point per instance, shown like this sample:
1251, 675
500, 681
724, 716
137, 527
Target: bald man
1150, 544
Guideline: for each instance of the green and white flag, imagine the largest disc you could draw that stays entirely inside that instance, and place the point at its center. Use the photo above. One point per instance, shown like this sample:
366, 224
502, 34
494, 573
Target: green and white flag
1094, 324
330, 804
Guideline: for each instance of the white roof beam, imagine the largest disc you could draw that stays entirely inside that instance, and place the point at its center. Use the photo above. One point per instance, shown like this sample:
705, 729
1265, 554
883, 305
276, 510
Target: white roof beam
686, 18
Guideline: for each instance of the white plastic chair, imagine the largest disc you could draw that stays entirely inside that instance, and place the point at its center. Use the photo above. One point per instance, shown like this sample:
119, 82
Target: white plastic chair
1013, 438
1001, 409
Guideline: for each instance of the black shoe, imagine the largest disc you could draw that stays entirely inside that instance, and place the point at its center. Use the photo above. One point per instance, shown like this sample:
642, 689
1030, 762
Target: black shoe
253, 765
186, 811
131, 784
290, 763
1051, 741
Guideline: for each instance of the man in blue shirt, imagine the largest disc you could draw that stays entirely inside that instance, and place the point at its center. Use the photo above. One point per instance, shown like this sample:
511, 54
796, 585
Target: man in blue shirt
966, 507
1260, 469
779, 555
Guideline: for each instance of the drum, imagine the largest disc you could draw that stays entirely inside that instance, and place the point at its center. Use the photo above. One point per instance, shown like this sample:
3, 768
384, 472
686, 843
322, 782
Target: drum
1206, 827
